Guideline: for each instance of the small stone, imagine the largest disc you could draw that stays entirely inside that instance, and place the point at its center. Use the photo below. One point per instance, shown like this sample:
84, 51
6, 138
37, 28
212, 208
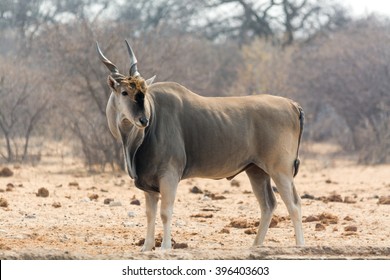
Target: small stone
384, 200
349, 200
43, 192
103, 190
327, 218
319, 227
335, 198
30, 216
217, 197
135, 202
115, 203
250, 231
310, 219
180, 245
202, 215
85, 200
108, 200
128, 224
235, 183
56, 204
307, 196
195, 189
348, 218
351, 228
93, 196
274, 222
225, 230
3, 202
130, 214
73, 184
140, 242
180, 223
6, 172
328, 181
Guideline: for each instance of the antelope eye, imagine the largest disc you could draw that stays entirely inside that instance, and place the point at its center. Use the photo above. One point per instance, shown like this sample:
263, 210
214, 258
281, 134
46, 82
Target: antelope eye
132, 85
124, 93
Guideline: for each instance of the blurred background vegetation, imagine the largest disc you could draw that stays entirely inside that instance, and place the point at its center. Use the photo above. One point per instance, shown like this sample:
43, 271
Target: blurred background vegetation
53, 86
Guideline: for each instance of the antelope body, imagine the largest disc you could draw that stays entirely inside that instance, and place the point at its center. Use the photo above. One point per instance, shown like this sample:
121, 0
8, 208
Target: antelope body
170, 133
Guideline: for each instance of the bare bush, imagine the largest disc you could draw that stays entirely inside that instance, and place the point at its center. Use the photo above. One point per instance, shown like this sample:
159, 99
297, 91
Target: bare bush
350, 71
23, 107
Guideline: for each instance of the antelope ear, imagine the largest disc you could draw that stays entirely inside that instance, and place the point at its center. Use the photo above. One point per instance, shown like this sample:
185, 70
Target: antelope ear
112, 83
150, 81
112, 117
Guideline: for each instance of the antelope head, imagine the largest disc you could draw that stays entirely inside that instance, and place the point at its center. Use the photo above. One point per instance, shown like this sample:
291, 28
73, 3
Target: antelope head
128, 103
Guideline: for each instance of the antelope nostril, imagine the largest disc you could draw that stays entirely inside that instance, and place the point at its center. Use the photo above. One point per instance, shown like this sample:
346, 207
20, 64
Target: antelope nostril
144, 121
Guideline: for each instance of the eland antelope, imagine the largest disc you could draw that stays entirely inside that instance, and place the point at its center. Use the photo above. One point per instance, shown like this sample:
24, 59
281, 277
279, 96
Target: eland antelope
169, 134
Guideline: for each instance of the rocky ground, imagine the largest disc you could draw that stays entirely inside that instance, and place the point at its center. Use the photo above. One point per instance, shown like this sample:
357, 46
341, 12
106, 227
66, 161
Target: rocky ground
58, 210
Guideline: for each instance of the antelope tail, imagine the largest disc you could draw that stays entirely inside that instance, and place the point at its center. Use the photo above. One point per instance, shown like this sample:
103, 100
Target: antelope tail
301, 123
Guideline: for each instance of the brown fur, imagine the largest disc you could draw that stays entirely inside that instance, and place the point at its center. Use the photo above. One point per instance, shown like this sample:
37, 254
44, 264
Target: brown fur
138, 82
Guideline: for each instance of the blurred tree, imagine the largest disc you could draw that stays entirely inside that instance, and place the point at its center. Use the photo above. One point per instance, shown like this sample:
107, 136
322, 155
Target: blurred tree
282, 21
350, 72
24, 102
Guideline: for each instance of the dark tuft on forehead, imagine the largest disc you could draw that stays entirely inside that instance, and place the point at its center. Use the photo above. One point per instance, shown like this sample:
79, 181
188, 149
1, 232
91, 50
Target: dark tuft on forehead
139, 82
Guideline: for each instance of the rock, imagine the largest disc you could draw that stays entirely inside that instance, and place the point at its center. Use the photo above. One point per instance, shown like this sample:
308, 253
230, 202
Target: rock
115, 203
135, 202
250, 231
349, 200
93, 196
274, 222
140, 242
319, 227
180, 223
327, 218
225, 230
56, 204
311, 218
243, 223
130, 214
129, 224
3, 202
239, 223
6, 172
348, 218
73, 184
307, 196
202, 215
180, 246
235, 183
351, 228
108, 200
43, 192
195, 189
30, 216
218, 197
335, 198
384, 200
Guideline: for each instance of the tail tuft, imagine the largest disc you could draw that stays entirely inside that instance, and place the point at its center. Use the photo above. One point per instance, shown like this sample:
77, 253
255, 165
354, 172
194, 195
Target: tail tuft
296, 166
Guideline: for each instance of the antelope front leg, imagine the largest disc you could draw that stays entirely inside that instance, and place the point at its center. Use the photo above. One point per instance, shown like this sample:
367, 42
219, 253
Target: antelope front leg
168, 186
151, 200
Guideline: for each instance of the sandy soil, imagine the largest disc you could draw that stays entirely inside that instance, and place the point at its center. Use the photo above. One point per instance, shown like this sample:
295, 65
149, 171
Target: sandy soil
57, 210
